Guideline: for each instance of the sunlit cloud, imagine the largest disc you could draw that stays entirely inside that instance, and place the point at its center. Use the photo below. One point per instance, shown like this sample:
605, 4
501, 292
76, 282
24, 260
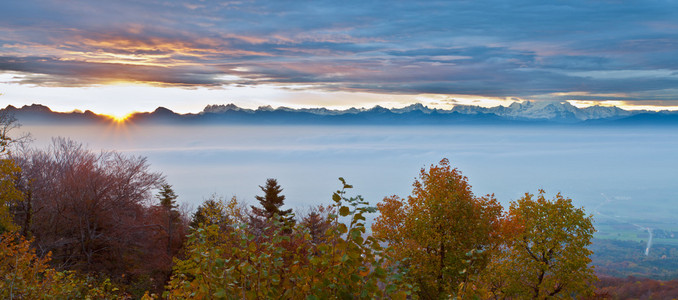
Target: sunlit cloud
629, 105
578, 51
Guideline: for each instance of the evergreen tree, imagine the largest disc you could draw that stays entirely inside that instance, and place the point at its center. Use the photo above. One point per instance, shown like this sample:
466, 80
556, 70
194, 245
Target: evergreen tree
271, 202
208, 213
318, 220
167, 199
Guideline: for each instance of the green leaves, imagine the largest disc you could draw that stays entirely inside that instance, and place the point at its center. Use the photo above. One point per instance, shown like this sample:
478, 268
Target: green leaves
344, 211
283, 261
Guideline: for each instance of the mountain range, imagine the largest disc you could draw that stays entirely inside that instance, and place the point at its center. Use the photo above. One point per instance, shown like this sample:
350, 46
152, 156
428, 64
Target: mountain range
528, 112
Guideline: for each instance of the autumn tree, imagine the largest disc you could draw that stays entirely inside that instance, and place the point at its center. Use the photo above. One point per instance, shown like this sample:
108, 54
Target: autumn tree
218, 211
9, 172
318, 220
546, 255
9, 194
26, 275
92, 209
442, 233
208, 213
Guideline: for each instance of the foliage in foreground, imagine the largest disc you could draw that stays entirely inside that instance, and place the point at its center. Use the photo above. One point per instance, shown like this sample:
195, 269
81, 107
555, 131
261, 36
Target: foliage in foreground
94, 213
287, 264
443, 242
9, 194
24, 275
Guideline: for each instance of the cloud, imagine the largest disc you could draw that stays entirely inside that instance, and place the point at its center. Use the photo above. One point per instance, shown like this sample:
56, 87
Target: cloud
49, 71
527, 49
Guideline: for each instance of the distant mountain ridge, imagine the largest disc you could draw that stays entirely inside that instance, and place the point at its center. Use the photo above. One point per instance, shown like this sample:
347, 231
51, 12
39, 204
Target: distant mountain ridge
527, 112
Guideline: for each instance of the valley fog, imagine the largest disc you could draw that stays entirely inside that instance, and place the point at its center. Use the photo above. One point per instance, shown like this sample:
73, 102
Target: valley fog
627, 173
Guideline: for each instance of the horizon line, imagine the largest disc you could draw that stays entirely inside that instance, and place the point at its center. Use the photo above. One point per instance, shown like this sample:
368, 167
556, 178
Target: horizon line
576, 103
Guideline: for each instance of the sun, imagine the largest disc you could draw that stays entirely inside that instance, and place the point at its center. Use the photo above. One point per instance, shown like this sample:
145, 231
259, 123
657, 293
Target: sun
119, 118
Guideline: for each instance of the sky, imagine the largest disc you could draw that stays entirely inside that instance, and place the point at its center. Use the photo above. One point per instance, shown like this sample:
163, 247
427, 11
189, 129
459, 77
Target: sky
116, 57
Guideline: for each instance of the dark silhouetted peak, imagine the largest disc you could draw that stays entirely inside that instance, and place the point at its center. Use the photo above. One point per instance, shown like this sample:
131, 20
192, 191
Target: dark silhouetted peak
163, 111
379, 109
541, 111
36, 108
352, 110
285, 108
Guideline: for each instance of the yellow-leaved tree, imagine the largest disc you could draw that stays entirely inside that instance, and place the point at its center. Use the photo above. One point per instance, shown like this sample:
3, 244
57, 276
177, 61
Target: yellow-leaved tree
545, 253
8, 172
442, 234
24, 275
9, 194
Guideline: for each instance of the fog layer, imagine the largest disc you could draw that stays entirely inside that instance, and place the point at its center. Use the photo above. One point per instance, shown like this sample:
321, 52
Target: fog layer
634, 167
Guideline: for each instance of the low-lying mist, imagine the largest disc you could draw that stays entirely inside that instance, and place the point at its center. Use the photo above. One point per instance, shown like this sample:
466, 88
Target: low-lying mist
634, 166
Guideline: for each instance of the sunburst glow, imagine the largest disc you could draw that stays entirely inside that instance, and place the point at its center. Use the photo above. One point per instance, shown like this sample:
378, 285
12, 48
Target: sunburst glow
120, 118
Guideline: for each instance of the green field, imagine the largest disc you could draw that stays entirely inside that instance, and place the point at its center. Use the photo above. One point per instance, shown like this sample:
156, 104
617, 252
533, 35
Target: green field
620, 249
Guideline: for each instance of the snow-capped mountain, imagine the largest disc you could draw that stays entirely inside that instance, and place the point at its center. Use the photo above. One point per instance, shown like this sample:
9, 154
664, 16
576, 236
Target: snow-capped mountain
547, 110
411, 108
220, 108
555, 111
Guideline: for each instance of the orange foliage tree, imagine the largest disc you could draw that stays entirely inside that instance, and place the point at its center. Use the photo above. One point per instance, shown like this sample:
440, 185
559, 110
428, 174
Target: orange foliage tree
545, 255
442, 233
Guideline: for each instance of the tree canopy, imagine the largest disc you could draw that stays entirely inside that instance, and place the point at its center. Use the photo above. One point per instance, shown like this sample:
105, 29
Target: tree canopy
547, 253
442, 233
9, 172
98, 219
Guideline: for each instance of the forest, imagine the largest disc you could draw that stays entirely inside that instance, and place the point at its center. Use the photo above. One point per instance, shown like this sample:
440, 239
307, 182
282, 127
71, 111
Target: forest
78, 224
